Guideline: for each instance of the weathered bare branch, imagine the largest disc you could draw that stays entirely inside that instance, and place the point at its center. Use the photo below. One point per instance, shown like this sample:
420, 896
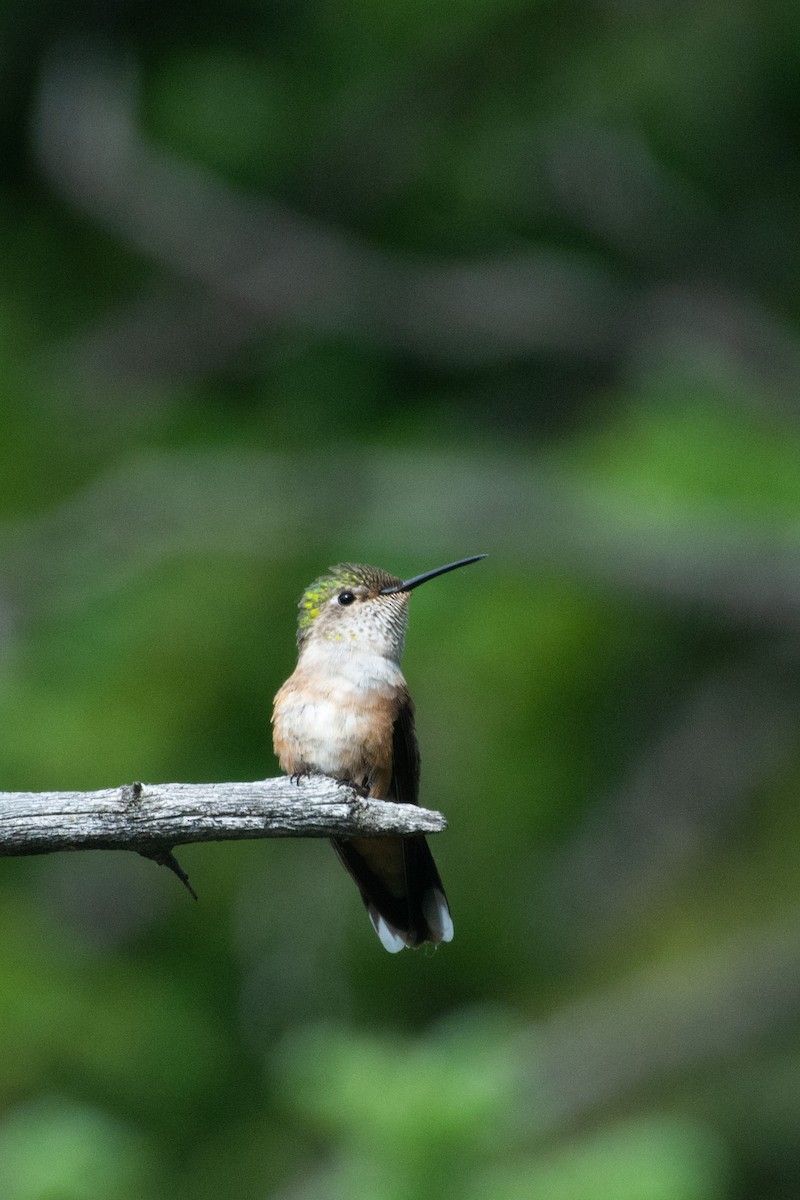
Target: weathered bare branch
152, 818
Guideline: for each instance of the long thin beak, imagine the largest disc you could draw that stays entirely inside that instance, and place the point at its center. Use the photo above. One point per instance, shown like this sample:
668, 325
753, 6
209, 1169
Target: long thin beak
409, 584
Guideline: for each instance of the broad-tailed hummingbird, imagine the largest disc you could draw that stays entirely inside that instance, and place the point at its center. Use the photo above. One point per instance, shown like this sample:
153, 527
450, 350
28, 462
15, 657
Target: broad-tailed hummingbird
346, 712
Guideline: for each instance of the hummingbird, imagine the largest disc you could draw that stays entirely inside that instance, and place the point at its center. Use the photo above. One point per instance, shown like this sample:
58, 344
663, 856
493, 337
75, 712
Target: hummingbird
346, 712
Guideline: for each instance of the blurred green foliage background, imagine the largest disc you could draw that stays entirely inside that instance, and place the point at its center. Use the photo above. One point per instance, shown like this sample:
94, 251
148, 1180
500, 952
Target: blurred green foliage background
287, 284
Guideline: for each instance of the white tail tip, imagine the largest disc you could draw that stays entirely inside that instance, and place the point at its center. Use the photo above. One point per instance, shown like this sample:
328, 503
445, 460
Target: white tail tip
437, 914
390, 940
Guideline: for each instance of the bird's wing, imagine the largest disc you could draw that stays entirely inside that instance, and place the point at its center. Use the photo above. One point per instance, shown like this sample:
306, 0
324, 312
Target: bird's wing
404, 788
397, 876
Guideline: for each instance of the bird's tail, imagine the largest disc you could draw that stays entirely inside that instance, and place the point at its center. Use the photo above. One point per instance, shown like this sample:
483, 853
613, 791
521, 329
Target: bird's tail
401, 889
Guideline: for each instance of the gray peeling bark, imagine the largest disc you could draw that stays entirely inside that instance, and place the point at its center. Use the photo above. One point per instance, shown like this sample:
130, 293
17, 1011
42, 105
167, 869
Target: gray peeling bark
151, 819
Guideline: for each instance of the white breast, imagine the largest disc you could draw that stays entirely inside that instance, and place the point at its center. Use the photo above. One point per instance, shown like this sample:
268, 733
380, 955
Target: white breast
330, 715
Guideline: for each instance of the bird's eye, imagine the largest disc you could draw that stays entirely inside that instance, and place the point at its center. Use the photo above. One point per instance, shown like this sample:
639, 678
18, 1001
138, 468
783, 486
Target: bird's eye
346, 597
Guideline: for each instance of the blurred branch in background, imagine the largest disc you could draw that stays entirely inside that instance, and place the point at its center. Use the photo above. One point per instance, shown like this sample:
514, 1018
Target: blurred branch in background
694, 311
715, 1008
223, 502
263, 267
142, 816
684, 796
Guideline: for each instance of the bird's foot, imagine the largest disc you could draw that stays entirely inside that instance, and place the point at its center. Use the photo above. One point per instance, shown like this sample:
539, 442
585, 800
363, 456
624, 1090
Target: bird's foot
360, 791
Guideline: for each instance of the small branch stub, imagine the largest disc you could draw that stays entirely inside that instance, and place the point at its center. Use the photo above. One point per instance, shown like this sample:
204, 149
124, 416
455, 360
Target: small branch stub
151, 819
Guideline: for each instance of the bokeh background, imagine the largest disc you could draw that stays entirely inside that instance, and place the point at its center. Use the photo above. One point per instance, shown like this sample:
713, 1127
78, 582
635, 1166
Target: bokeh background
283, 284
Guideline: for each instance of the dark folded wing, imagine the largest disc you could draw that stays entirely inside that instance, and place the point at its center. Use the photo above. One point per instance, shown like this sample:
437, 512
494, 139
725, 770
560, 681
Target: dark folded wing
405, 756
397, 876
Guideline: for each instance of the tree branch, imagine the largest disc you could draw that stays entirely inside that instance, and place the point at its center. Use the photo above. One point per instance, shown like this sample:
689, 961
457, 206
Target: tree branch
152, 818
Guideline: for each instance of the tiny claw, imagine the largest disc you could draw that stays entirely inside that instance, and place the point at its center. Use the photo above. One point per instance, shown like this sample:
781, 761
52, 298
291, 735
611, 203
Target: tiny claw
359, 793
360, 790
